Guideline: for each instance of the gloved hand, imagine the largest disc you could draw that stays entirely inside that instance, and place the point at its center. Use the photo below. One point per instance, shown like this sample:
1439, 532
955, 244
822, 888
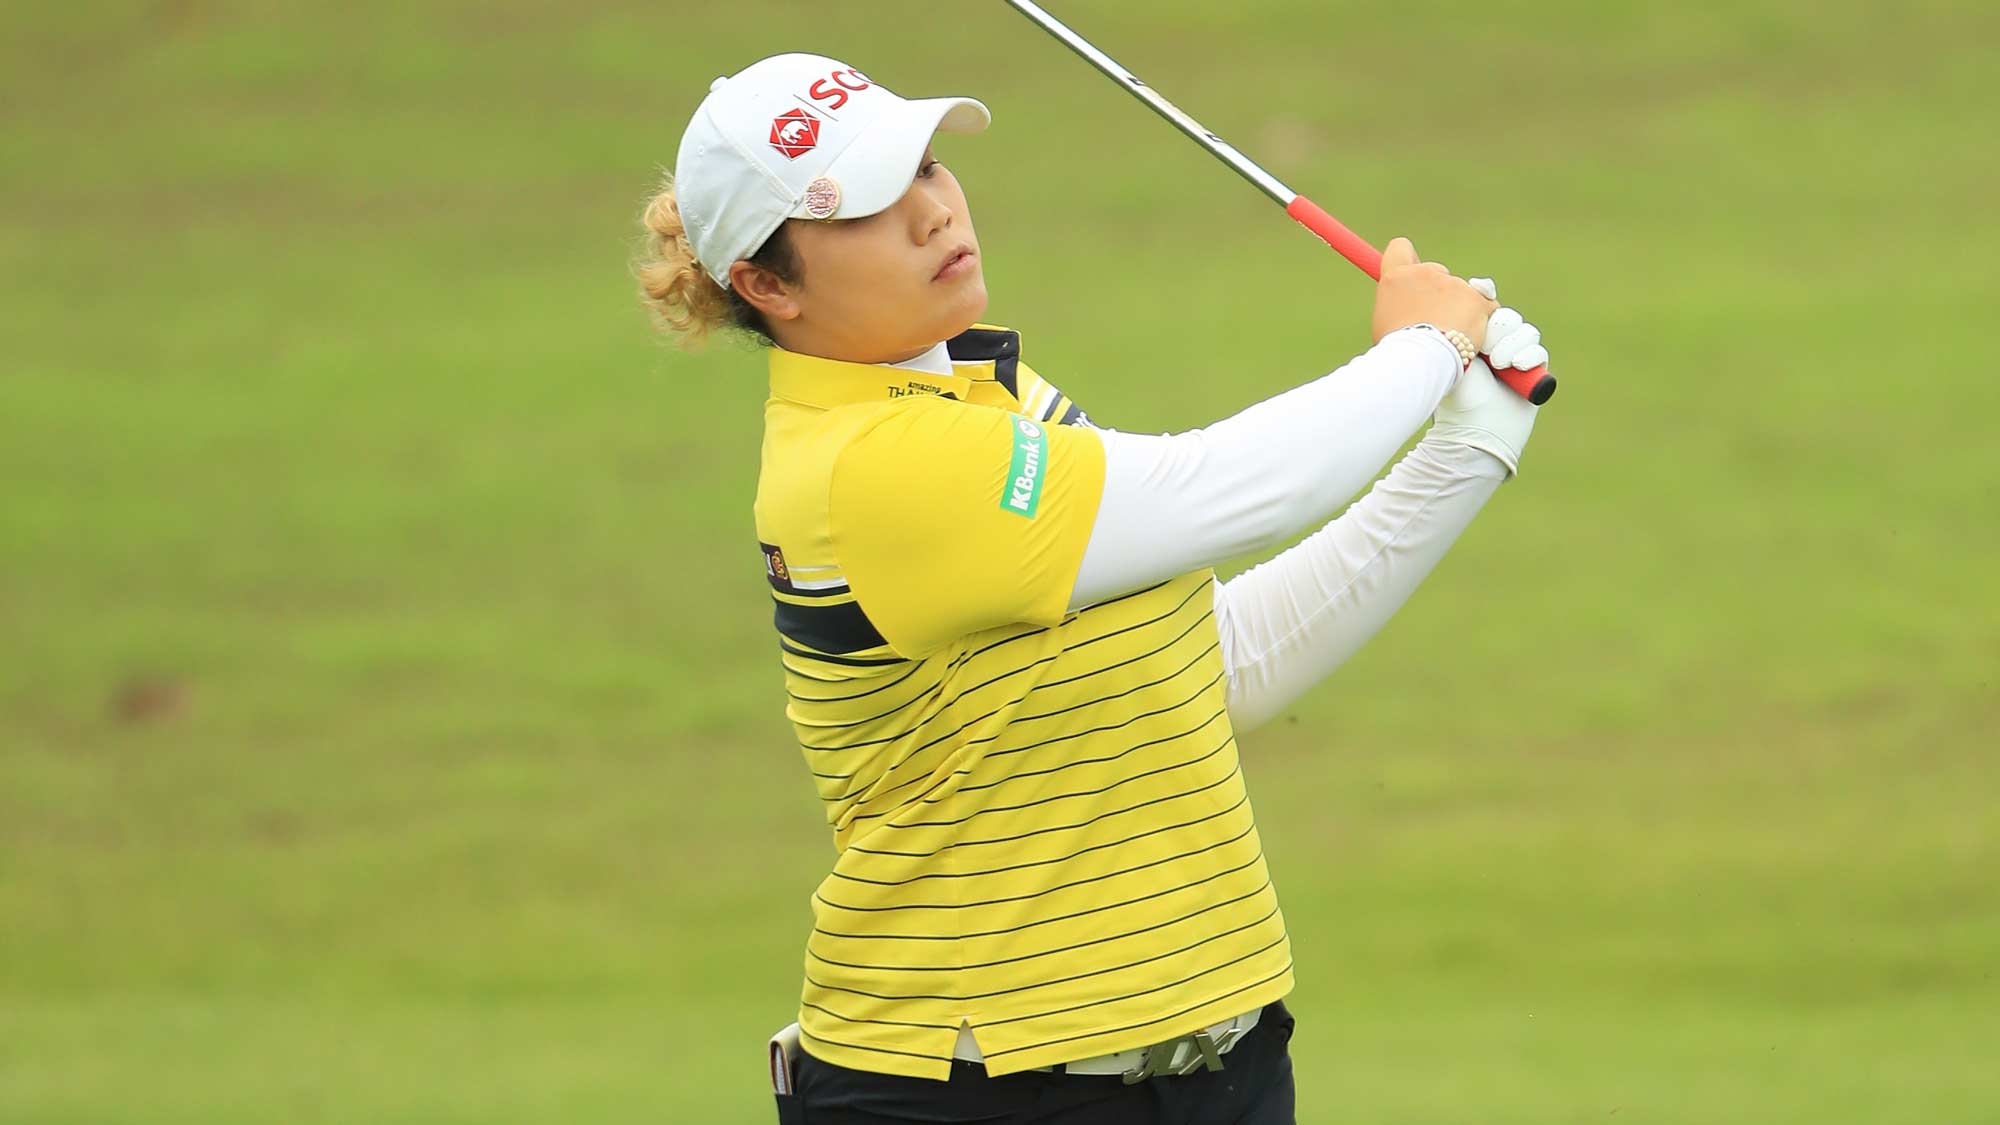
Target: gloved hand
1510, 341
1480, 411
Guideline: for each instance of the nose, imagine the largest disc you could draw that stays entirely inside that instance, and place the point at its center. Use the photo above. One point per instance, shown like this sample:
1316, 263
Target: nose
931, 215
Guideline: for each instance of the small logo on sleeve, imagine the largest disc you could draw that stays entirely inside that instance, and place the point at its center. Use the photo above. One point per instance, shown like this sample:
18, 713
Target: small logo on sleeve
1022, 493
774, 568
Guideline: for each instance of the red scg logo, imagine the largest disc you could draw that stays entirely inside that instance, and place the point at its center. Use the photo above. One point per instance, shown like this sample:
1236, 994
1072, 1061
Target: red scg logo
794, 133
835, 87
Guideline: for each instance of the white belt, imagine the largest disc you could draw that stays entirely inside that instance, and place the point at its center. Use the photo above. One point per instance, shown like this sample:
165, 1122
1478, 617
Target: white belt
1183, 1055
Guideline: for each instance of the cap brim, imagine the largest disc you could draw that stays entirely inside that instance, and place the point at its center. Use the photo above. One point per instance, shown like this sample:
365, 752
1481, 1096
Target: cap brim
878, 167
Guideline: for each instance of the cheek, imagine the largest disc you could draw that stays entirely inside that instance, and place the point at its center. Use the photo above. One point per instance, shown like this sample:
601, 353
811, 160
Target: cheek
844, 281
870, 297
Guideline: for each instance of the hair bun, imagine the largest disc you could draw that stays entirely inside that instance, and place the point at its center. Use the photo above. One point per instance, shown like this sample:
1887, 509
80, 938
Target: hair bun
672, 284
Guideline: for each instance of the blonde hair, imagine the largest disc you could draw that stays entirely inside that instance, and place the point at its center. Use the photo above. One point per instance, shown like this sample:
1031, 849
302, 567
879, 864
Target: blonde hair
677, 290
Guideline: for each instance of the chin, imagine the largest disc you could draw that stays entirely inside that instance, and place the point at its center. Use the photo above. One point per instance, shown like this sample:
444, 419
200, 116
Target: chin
967, 311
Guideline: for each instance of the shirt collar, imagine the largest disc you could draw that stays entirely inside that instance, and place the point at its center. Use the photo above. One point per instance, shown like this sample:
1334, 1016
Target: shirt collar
949, 368
937, 361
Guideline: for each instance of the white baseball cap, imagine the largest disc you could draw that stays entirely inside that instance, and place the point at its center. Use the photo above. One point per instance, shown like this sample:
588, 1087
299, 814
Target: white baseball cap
805, 137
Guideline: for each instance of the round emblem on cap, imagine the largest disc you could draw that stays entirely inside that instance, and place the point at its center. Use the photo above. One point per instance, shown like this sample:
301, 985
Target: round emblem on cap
822, 198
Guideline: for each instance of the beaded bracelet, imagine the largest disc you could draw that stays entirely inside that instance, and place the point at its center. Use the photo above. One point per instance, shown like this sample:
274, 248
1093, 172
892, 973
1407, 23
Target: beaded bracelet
1459, 340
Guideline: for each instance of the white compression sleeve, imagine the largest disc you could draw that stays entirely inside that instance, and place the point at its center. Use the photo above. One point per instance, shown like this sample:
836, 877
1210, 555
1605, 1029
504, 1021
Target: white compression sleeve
1177, 502
1287, 623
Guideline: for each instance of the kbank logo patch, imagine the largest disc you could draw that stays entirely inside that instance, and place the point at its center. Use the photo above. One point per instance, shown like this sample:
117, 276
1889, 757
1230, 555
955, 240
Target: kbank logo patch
1023, 491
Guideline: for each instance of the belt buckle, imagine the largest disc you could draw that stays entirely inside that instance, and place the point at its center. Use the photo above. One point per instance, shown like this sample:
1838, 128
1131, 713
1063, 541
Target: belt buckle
1207, 1053
1164, 1058
1231, 1036
1154, 1059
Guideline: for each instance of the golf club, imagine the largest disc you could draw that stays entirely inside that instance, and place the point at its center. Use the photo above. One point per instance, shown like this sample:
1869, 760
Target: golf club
1536, 386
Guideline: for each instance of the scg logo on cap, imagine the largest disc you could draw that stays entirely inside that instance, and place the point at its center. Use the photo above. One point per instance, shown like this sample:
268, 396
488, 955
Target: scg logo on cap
848, 81
795, 133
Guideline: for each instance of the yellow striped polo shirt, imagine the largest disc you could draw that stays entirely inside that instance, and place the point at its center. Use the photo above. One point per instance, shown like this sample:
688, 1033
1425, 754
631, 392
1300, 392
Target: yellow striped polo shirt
1042, 829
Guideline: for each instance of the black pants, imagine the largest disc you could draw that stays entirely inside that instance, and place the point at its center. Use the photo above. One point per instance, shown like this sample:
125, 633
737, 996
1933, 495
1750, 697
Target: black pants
1253, 1088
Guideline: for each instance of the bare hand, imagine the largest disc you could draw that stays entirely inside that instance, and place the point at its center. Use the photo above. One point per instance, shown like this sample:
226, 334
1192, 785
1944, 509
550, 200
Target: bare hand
1415, 292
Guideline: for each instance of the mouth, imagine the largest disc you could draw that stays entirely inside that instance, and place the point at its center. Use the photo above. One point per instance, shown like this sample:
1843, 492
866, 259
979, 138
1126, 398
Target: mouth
961, 260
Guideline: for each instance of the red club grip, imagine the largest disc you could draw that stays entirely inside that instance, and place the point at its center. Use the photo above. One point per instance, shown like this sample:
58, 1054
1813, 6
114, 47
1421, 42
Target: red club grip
1536, 386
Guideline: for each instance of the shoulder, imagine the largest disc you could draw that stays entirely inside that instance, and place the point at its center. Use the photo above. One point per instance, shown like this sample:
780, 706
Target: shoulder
923, 429
807, 452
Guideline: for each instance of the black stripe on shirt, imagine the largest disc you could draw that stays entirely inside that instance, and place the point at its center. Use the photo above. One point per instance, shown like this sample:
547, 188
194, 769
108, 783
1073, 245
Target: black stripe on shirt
1259, 983
927, 693
1175, 827
1182, 604
839, 698
1001, 347
1007, 373
1022, 635
850, 662
1099, 791
905, 764
1223, 874
1090, 1004
1122, 597
981, 345
1134, 660
870, 797
830, 904
1223, 780
828, 628
1075, 762
1196, 659
890, 1023
954, 968
830, 592
877, 1050
1018, 669
961, 659
803, 675
1094, 973
961, 695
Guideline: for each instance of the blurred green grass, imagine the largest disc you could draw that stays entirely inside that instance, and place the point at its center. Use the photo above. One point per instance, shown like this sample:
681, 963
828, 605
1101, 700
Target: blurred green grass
388, 724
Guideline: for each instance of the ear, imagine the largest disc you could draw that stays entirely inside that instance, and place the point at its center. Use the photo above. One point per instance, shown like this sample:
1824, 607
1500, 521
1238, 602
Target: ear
766, 291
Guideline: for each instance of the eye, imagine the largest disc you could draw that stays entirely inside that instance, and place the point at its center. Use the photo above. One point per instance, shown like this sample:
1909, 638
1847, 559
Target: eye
929, 168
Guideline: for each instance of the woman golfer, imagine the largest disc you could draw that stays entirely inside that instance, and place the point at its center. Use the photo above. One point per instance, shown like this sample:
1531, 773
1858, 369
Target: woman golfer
1014, 675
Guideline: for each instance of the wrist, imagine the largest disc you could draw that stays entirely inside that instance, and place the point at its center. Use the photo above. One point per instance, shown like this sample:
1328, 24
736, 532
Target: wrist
1439, 333
1483, 414
1440, 340
1489, 448
1461, 344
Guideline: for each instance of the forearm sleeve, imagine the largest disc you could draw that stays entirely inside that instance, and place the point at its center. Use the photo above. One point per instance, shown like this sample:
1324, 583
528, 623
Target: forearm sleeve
1177, 502
1289, 622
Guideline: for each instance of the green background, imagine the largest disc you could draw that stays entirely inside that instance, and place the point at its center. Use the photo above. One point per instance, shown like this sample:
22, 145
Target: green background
390, 729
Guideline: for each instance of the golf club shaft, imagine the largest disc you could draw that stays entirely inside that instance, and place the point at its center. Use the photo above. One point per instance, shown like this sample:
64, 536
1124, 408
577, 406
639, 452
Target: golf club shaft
1536, 386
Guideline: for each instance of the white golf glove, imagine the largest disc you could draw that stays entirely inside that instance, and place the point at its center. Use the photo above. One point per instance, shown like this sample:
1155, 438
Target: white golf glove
1510, 341
1482, 412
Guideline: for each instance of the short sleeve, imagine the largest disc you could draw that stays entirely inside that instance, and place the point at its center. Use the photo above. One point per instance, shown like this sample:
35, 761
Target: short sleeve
949, 517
